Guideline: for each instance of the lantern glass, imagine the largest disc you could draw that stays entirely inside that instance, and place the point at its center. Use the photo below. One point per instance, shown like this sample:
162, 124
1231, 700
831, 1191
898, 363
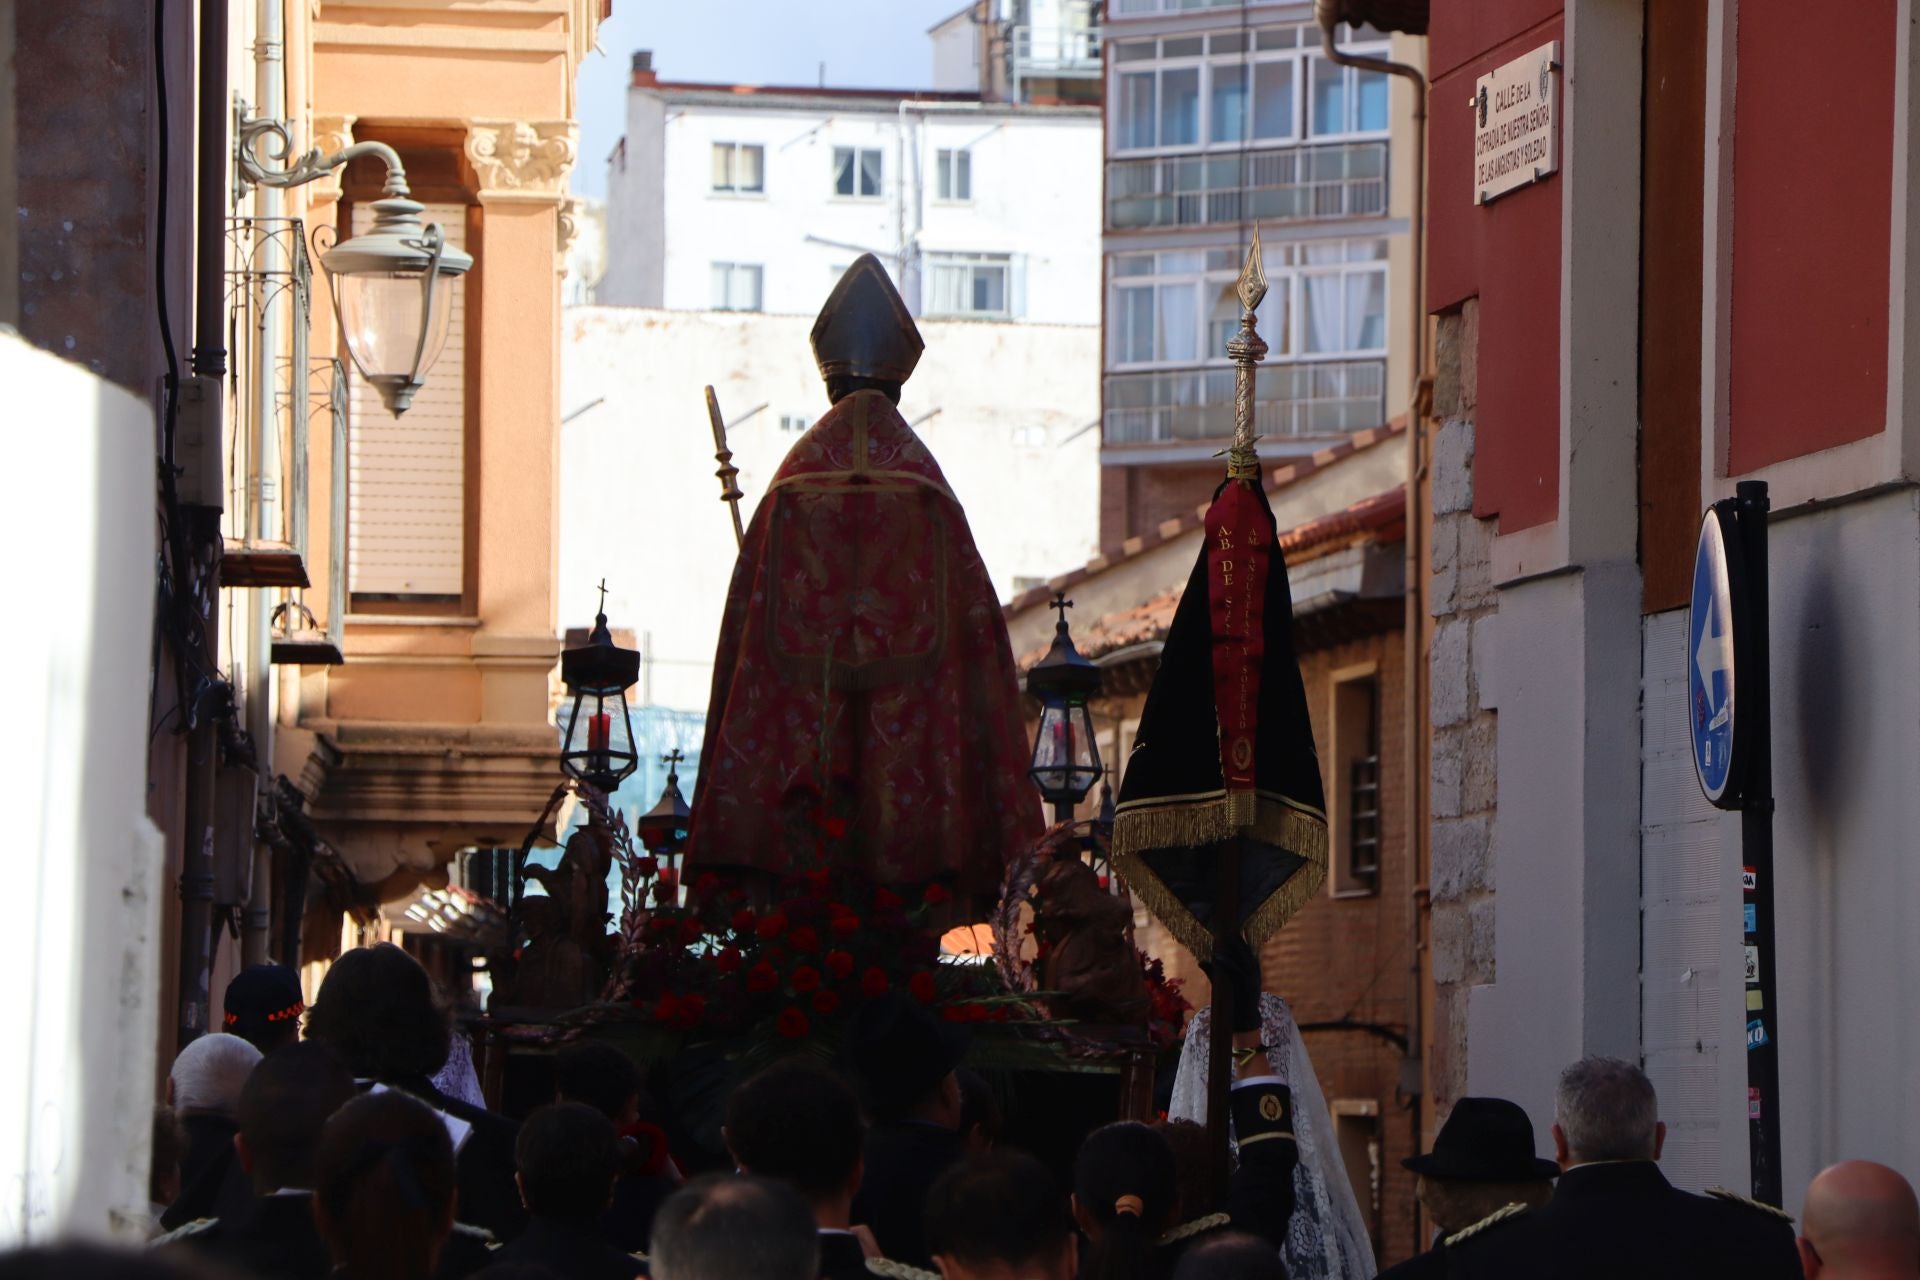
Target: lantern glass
599, 748
1066, 758
384, 315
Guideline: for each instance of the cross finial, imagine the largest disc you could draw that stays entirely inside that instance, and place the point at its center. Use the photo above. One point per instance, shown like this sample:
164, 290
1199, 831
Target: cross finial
671, 759
603, 597
1061, 603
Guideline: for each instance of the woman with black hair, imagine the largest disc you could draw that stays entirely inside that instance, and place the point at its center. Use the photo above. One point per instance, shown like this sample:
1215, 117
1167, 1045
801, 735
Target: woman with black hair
384, 1188
1124, 1198
377, 1010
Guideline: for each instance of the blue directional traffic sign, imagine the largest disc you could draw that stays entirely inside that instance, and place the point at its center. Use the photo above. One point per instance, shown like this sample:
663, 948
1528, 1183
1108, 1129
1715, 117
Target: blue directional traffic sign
1712, 662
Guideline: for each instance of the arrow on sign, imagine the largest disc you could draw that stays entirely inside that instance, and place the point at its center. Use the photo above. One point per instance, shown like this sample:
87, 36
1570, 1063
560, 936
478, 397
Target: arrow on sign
1714, 654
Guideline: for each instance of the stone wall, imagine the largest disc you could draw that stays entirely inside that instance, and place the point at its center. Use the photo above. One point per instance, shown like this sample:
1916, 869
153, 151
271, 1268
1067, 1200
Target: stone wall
1463, 765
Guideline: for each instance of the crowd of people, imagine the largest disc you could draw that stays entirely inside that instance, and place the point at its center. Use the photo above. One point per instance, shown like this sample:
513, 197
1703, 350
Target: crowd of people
363, 1151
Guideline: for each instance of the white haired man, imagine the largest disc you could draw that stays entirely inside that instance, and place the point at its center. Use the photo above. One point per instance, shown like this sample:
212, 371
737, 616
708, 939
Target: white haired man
1613, 1213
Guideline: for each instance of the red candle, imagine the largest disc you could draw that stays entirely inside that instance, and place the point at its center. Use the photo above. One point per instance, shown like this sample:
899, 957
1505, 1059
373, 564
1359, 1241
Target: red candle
597, 732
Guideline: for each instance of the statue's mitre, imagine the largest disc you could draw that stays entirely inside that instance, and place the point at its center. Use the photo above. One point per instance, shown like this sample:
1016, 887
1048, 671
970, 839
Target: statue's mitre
865, 331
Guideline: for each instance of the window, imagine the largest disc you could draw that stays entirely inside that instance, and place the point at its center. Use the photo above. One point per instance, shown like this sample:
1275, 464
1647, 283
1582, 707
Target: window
1226, 90
739, 167
407, 476
1354, 764
1324, 298
1356, 1128
955, 169
856, 172
793, 423
736, 286
976, 285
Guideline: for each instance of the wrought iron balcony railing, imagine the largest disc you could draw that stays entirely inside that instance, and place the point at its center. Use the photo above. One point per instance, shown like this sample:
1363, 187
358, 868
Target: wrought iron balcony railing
1283, 184
1303, 398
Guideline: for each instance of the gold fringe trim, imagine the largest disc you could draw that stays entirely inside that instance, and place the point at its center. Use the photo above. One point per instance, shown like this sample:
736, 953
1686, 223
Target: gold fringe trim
888, 1269
1273, 821
1187, 1230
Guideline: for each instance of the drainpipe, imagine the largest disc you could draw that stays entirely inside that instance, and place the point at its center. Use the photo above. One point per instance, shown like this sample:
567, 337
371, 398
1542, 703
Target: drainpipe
1326, 13
209, 362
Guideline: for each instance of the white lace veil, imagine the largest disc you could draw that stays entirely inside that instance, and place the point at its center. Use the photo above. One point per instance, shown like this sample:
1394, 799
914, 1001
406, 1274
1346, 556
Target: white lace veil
1327, 1239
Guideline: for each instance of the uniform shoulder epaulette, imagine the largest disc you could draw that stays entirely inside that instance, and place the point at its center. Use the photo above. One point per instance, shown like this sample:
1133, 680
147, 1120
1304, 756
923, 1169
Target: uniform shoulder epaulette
1734, 1197
1502, 1214
481, 1234
888, 1269
1185, 1230
185, 1231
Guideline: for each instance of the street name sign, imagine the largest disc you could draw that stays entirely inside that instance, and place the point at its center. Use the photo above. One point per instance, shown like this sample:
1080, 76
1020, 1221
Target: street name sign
1516, 135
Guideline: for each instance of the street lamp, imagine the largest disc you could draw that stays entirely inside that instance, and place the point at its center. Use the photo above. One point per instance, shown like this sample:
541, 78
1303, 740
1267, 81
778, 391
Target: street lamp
663, 828
391, 286
1066, 758
599, 741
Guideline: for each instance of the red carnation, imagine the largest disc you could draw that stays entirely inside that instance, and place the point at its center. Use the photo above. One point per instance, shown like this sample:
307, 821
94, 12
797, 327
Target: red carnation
743, 920
936, 894
772, 925
873, 982
646, 865
885, 900
727, 959
805, 939
806, 978
825, 1002
839, 964
921, 985
690, 931
762, 977
791, 1024
844, 926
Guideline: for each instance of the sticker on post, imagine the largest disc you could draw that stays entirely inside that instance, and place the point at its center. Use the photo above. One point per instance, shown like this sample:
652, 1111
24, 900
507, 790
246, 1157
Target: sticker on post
1753, 965
1749, 879
1756, 1034
1752, 914
1753, 1102
1756, 1000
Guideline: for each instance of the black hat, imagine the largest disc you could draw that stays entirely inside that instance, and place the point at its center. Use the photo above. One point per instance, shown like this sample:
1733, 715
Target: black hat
899, 1051
1484, 1140
260, 998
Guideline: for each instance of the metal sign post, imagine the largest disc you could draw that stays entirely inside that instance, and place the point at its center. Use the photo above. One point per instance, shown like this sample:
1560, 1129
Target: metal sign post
1731, 723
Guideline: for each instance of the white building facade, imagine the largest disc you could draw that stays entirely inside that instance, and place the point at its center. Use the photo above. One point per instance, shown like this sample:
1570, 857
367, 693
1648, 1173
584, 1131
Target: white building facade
735, 198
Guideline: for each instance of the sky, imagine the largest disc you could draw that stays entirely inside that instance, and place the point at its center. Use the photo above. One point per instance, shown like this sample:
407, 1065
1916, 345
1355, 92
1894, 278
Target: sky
866, 44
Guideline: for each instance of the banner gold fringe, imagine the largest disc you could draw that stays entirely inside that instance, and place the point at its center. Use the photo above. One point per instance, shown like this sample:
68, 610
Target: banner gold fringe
1273, 821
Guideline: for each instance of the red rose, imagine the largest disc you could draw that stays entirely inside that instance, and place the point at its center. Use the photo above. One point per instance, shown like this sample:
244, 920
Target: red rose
772, 925
743, 920
844, 926
647, 866
817, 882
667, 1010
834, 827
954, 1013
791, 1024
825, 1002
839, 964
805, 939
921, 985
873, 982
690, 931
670, 878
806, 978
762, 977
979, 1012
727, 959
936, 894
692, 1009
706, 884
885, 900
663, 891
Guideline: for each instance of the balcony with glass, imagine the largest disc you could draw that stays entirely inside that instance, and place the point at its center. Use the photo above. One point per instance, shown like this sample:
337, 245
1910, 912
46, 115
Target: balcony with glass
1170, 314
1052, 40
1225, 128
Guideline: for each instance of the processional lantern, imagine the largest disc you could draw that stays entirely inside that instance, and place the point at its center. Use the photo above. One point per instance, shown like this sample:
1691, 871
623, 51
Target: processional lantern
663, 828
1066, 757
599, 747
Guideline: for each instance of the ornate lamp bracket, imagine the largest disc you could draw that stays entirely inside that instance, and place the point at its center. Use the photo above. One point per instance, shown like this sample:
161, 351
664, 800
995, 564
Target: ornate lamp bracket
261, 143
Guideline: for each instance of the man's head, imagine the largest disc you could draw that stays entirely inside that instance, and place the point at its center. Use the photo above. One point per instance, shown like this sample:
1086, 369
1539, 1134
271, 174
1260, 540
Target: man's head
383, 1183
1861, 1219
1000, 1217
1230, 1255
209, 1073
735, 1227
1455, 1204
799, 1123
169, 1148
377, 1011
980, 1115
1605, 1109
1483, 1159
904, 1060
598, 1075
565, 1161
264, 1005
283, 1110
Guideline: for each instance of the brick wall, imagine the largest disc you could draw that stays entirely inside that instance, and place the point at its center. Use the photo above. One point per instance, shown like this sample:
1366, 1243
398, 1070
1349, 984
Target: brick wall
1134, 500
1463, 766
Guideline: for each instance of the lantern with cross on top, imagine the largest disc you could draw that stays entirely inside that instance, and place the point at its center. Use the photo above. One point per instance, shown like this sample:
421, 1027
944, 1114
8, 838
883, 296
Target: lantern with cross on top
599, 747
1066, 758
